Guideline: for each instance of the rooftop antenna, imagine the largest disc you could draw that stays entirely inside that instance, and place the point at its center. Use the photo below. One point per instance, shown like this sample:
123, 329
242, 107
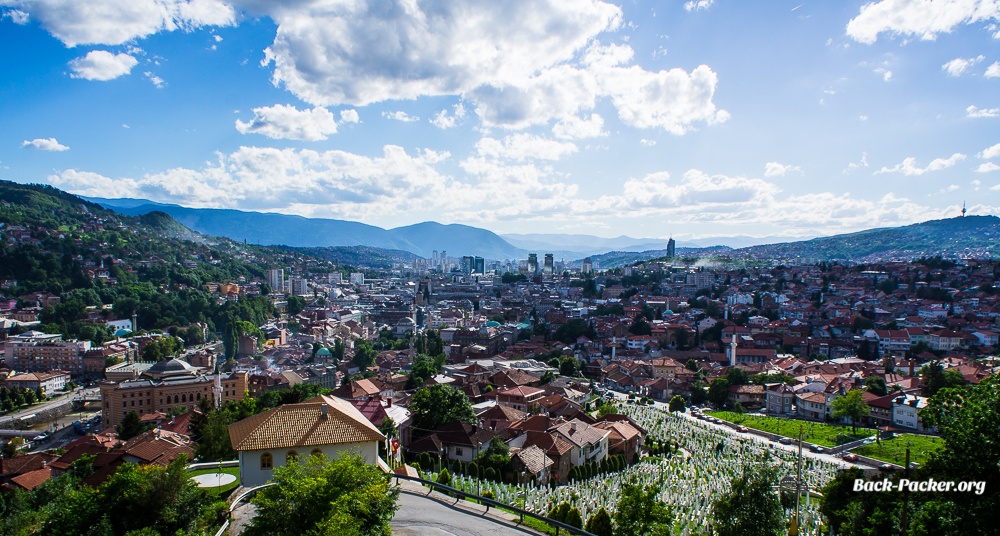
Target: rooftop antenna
963, 209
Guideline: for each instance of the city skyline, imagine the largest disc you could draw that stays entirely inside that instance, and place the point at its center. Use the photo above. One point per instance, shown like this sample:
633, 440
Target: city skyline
648, 119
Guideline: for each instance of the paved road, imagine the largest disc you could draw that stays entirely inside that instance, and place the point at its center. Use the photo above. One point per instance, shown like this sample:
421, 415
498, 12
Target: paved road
438, 515
423, 514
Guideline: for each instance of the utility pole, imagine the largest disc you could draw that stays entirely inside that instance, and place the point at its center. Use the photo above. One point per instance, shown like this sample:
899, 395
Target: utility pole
794, 529
905, 521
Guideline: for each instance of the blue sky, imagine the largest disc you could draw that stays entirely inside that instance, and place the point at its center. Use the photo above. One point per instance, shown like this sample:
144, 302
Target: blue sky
687, 118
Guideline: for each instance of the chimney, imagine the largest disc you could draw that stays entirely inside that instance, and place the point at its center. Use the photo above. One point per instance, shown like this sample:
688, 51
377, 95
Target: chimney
389, 402
323, 410
911, 368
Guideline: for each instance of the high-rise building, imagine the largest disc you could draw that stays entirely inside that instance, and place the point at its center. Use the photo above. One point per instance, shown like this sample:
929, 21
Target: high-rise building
588, 266
468, 264
549, 264
479, 265
276, 279
533, 263
298, 286
357, 278
671, 248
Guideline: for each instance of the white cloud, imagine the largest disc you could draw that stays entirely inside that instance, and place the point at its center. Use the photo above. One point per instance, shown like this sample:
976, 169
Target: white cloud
647, 143
993, 71
886, 73
102, 65
400, 115
443, 120
44, 144
349, 116
113, 22
330, 183
854, 166
285, 122
987, 167
694, 5
155, 80
575, 128
218, 38
958, 66
774, 169
516, 67
909, 165
523, 147
16, 16
990, 152
973, 111
921, 18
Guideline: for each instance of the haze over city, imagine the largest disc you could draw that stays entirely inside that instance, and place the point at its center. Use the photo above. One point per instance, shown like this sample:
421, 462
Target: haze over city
685, 119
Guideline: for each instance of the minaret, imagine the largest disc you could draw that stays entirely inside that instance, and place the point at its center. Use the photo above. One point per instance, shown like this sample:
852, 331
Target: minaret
732, 352
217, 389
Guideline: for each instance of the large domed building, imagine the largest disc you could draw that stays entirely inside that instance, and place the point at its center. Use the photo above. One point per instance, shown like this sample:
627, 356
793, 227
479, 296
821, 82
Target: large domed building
164, 386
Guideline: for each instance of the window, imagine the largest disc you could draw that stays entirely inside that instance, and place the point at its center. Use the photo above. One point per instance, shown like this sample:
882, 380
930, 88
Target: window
316, 452
266, 461
291, 457
458, 451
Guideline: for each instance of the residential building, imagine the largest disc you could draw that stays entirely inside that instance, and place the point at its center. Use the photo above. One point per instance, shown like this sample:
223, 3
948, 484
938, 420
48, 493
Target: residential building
41, 352
49, 382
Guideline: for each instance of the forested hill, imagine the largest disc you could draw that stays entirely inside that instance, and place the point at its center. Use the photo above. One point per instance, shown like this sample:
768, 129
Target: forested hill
975, 236
106, 266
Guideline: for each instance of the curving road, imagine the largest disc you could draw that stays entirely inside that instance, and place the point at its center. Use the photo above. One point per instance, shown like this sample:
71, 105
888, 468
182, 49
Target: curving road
438, 515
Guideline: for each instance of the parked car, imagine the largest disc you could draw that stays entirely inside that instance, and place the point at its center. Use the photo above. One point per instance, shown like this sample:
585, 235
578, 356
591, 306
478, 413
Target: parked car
743, 429
785, 441
816, 448
850, 457
887, 467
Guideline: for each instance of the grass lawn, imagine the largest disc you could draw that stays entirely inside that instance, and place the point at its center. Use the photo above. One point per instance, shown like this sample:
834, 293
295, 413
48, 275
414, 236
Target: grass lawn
894, 450
828, 435
221, 491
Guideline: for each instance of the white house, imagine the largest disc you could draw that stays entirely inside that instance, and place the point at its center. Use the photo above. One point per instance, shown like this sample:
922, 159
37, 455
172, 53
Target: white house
324, 425
905, 410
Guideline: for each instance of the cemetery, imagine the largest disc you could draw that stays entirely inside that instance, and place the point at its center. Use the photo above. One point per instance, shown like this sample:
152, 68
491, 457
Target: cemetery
695, 468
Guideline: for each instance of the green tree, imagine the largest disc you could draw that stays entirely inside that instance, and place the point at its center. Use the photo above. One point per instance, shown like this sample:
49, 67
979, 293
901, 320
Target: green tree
130, 426
341, 496
496, 456
641, 513
214, 444
676, 404
640, 326
574, 518
438, 404
718, 392
151, 497
295, 305
749, 505
569, 366
851, 406
364, 354
876, 385
599, 523
936, 377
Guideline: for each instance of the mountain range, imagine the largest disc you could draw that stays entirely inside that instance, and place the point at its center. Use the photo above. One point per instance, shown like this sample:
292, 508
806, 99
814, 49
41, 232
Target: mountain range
976, 236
